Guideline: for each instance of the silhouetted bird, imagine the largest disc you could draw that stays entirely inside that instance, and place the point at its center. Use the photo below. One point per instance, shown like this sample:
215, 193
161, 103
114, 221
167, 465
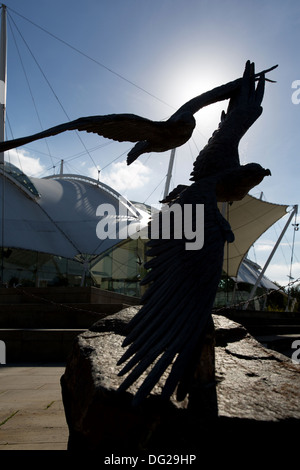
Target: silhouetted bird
220, 157
151, 136
169, 328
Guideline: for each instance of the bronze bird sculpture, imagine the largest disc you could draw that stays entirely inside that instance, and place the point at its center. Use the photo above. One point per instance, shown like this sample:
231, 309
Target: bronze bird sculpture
169, 329
151, 136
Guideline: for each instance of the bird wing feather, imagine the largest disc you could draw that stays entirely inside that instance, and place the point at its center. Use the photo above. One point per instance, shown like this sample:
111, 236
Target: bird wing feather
178, 302
119, 127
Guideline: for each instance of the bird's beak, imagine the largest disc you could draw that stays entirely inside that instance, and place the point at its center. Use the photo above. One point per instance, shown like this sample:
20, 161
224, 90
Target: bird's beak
268, 172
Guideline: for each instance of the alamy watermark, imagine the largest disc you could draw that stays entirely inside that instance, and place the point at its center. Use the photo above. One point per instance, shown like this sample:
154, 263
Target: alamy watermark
296, 93
171, 222
2, 352
296, 354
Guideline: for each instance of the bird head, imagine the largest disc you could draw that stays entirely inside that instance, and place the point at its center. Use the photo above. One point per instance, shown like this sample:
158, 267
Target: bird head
234, 184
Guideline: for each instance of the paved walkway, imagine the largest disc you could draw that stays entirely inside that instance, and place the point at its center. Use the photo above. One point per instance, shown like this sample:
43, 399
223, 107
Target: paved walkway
31, 409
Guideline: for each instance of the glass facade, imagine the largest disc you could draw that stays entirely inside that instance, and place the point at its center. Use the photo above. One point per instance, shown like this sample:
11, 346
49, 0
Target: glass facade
120, 269
33, 269
20, 178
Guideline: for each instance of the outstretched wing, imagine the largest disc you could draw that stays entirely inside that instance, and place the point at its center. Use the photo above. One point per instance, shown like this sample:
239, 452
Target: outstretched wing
178, 302
244, 108
219, 93
119, 127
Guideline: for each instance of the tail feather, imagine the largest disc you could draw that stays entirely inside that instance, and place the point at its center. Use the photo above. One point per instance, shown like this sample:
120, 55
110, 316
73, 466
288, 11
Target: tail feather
137, 150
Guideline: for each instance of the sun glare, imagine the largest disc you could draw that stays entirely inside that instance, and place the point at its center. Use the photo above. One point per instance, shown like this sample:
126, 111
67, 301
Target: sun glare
191, 81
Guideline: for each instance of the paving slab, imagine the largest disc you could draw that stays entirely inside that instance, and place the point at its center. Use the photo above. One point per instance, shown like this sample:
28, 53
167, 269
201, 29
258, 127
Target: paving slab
31, 410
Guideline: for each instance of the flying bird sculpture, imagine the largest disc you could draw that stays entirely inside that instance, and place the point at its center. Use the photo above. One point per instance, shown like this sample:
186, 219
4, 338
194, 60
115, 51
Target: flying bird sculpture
150, 136
170, 327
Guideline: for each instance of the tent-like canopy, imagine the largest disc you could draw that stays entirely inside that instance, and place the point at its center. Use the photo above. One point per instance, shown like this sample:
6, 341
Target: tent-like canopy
249, 219
249, 273
59, 215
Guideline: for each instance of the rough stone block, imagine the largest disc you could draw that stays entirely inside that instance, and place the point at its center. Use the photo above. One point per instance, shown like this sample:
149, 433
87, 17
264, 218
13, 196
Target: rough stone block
255, 389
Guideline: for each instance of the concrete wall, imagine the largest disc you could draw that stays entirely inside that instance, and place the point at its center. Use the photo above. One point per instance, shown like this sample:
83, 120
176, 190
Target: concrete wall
40, 324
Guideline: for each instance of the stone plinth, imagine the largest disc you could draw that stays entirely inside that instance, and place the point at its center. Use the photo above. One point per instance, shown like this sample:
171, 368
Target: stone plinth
256, 390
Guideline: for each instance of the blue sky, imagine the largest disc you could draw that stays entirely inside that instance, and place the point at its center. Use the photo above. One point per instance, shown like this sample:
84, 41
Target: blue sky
148, 58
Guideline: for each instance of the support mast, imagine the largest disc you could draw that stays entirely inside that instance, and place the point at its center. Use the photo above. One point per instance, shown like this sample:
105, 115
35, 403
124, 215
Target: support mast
3, 72
169, 174
252, 293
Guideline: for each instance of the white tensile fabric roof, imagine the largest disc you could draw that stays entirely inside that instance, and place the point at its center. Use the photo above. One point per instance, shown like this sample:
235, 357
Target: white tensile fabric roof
62, 220
249, 219
249, 273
